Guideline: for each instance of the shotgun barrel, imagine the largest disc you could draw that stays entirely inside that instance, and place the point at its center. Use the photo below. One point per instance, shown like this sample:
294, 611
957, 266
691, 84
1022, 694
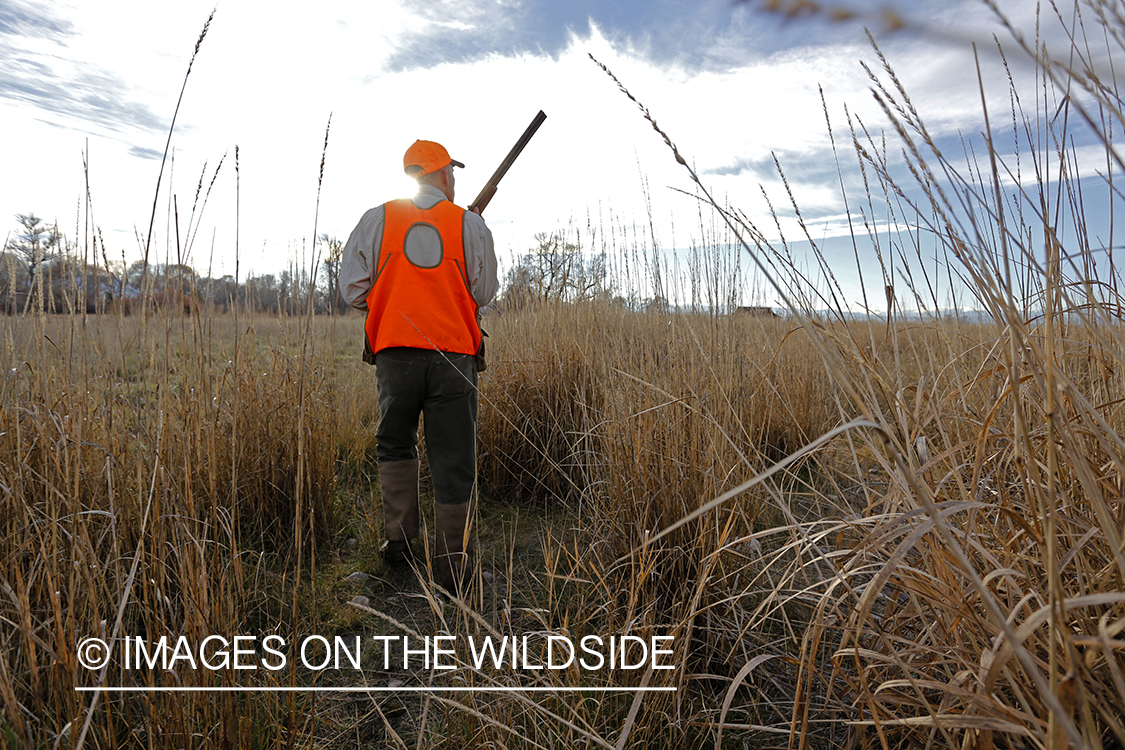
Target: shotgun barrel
490, 187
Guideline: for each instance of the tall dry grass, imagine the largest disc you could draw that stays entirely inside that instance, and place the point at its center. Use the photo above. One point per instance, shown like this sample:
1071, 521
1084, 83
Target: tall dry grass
640, 419
860, 533
967, 590
147, 480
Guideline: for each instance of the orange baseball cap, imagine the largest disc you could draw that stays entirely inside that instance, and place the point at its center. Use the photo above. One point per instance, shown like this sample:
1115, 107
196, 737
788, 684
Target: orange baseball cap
425, 157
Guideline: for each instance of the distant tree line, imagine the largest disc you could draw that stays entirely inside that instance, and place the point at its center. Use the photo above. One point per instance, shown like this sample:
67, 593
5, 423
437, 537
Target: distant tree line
41, 271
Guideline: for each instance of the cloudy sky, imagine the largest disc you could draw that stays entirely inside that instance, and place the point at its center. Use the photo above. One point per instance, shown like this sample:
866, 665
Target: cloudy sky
732, 85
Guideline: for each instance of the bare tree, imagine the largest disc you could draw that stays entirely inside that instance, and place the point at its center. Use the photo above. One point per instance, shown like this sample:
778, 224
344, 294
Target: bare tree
331, 271
177, 277
33, 245
554, 270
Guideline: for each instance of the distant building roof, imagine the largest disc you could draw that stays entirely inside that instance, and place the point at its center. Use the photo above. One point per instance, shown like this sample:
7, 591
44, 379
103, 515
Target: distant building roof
765, 312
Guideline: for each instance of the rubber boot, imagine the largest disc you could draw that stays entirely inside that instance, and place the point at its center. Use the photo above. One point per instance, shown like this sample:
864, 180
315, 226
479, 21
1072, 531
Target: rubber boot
399, 482
453, 551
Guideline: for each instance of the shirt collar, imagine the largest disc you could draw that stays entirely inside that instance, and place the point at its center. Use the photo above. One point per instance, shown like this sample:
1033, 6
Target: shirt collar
427, 196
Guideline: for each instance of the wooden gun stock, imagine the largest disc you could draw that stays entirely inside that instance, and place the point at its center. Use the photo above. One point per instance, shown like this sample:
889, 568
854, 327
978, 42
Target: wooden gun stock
490, 187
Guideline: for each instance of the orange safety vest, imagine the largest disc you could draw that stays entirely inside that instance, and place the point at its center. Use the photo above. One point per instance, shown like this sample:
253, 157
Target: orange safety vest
424, 308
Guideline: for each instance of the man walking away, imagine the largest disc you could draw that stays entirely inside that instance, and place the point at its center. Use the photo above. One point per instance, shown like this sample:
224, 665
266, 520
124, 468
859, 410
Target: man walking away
421, 267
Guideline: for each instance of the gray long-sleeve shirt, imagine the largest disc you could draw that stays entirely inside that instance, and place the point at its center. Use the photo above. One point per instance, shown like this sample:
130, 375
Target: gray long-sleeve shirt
361, 253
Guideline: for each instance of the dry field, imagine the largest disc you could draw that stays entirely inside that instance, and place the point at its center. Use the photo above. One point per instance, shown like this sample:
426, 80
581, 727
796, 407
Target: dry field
159, 474
859, 532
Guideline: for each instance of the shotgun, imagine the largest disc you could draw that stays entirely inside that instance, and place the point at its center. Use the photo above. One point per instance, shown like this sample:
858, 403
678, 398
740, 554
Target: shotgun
490, 186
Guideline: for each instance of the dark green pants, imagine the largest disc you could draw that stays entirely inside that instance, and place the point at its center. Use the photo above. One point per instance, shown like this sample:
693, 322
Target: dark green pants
442, 387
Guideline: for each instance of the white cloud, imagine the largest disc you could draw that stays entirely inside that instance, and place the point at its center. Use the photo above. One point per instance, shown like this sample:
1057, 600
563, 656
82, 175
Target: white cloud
266, 80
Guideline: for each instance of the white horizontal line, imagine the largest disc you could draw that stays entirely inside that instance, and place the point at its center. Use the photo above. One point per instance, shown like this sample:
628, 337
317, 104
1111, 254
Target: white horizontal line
349, 689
